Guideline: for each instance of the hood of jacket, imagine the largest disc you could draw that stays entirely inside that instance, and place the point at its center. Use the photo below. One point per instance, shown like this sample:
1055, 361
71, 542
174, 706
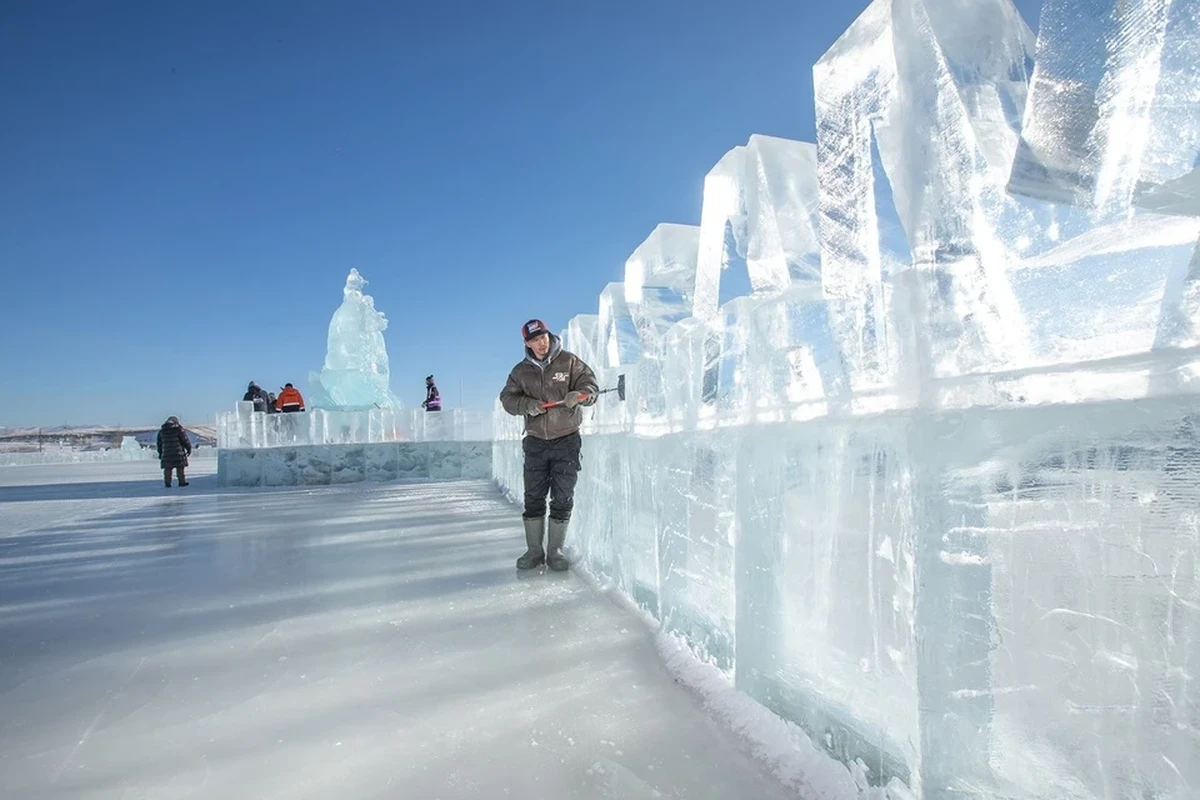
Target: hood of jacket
555, 349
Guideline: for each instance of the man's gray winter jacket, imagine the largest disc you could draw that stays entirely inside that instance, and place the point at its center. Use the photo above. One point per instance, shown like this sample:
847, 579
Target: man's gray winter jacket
534, 382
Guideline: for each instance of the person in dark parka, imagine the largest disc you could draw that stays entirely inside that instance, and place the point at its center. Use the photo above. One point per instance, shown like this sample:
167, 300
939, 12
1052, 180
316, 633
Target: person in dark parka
257, 395
174, 447
552, 445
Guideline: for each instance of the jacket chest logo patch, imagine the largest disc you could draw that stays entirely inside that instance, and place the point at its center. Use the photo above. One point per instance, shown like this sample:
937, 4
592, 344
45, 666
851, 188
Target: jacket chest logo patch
559, 377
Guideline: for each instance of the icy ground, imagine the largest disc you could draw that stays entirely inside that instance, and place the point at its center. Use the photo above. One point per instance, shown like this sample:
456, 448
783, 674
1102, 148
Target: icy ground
368, 641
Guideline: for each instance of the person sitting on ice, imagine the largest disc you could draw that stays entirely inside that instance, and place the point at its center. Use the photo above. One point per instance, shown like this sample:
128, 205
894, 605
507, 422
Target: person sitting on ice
174, 447
289, 399
255, 394
433, 400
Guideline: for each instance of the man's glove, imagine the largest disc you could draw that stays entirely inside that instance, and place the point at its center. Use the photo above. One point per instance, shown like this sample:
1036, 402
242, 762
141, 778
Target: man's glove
575, 398
533, 408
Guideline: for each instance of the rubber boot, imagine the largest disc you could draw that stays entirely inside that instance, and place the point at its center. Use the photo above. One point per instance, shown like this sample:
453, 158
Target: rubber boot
182, 480
535, 556
555, 536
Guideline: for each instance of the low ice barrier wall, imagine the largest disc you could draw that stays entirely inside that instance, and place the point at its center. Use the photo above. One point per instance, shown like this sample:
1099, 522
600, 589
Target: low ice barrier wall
315, 465
1002, 601
321, 447
244, 428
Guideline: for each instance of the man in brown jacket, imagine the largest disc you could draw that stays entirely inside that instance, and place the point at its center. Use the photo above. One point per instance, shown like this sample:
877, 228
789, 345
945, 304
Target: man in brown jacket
548, 374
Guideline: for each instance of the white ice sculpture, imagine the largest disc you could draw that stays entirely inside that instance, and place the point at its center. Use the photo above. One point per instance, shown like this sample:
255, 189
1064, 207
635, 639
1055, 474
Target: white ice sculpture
131, 450
355, 375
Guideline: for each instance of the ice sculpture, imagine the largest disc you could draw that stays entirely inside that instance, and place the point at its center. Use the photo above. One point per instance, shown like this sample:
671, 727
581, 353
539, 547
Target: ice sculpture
928, 488
355, 375
131, 449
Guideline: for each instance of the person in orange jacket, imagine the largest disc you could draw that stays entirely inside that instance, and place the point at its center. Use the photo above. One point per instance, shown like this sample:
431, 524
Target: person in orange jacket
289, 399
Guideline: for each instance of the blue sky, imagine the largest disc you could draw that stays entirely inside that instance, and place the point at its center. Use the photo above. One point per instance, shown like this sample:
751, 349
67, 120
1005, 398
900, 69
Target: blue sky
185, 186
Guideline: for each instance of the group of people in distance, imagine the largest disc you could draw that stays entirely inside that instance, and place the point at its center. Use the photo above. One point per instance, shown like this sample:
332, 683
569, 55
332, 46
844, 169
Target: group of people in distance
548, 388
288, 400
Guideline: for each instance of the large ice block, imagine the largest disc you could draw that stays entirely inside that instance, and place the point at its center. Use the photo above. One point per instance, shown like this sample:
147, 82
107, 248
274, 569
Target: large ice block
722, 224
783, 241
579, 337
1113, 114
1179, 322
792, 366
660, 278
853, 83
356, 373
618, 338
934, 87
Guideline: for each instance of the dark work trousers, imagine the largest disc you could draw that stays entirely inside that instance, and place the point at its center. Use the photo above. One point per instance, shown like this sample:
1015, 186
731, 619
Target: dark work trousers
167, 475
551, 466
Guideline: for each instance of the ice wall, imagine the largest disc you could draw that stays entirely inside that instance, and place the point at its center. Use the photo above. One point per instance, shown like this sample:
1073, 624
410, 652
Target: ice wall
322, 465
247, 429
980, 603
929, 488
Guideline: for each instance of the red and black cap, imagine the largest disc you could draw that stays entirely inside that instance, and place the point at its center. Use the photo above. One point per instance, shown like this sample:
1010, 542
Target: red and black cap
535, 327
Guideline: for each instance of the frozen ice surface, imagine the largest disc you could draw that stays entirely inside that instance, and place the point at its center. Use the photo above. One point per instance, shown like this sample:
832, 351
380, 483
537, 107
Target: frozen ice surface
370, 641
356, 374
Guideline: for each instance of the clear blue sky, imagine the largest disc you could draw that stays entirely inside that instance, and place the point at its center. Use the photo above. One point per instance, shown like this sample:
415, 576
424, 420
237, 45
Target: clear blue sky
184, 186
